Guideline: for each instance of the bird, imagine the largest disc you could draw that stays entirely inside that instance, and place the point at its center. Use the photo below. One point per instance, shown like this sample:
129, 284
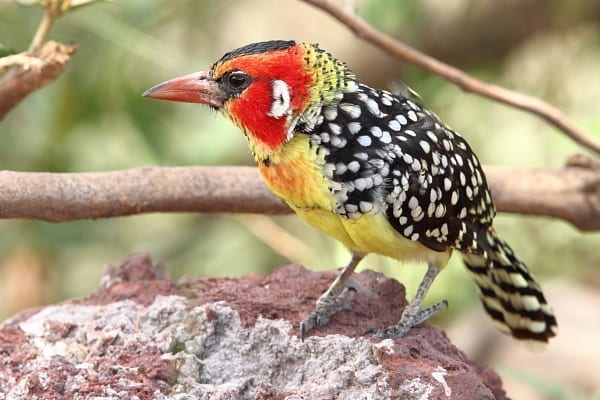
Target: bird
375, 170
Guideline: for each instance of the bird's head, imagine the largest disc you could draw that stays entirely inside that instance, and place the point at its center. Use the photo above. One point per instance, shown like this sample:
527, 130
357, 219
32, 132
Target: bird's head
269, 89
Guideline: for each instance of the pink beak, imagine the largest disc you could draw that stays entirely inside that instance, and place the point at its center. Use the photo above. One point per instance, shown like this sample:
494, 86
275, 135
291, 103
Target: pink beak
192, 88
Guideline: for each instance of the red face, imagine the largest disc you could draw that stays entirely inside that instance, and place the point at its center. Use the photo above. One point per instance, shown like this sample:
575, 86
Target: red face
260, 92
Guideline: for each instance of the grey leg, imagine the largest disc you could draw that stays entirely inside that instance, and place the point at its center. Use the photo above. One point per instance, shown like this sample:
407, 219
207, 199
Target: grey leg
333, 300
413, 314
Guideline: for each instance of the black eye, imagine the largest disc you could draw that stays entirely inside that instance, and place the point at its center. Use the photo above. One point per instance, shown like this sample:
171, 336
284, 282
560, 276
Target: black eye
236, 81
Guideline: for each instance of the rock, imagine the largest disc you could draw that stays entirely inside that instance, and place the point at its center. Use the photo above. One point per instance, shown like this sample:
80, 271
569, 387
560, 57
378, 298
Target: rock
143, 336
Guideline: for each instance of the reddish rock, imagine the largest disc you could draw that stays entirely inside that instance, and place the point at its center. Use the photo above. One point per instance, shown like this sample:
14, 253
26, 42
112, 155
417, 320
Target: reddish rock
141, 334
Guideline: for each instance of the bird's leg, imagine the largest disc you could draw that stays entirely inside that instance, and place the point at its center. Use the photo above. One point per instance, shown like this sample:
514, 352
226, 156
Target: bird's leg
413, 314
333, 300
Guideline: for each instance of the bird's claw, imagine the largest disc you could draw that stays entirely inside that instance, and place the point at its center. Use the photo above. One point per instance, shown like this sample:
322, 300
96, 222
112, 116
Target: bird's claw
408, 320
325, 309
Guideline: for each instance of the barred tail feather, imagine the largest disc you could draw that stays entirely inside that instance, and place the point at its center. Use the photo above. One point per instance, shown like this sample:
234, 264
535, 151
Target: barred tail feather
509, 293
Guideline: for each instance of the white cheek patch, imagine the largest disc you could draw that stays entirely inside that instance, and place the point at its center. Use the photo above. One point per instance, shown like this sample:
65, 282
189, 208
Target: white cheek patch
281, 99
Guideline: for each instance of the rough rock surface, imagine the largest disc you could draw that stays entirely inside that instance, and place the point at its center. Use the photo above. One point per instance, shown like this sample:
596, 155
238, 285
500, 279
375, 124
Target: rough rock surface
143, 336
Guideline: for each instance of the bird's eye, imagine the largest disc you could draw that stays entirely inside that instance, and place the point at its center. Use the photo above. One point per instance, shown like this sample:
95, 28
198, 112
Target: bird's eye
236, 80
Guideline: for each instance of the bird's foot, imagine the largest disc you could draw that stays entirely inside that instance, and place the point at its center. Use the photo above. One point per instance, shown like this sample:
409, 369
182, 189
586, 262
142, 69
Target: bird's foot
326, 307
410, 318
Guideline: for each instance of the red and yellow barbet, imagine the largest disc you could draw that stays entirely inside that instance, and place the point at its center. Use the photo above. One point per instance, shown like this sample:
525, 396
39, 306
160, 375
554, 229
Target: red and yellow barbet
377, 171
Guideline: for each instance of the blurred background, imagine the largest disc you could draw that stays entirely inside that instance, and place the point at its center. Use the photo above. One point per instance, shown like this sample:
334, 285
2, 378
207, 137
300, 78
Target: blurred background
93, 119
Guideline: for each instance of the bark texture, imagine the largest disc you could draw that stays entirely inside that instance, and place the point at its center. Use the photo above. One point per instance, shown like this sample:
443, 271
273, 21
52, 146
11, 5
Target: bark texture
571, 193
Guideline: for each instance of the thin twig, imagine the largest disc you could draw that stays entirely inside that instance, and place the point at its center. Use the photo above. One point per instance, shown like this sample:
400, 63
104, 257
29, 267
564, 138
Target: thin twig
571, 193
52, 11
466, 82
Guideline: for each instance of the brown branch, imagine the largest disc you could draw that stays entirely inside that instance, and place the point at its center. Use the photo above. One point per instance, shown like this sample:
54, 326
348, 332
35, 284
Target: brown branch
20, 81
571, 193
466, 82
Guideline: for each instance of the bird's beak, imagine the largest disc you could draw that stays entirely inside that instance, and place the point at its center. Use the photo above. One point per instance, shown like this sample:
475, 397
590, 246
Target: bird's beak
193, 88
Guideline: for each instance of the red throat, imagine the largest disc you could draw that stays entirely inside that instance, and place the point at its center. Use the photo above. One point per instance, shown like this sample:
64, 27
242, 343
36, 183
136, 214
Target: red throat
251, 109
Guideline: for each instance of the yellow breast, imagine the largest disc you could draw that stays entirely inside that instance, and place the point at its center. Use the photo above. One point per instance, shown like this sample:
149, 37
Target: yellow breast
295, 174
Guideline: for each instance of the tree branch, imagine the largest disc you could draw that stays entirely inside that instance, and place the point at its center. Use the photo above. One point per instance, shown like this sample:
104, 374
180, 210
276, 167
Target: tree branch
466, 82
571, 193
36, 70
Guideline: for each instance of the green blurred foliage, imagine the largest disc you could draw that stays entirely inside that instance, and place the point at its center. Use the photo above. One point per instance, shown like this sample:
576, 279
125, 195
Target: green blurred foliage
93, 119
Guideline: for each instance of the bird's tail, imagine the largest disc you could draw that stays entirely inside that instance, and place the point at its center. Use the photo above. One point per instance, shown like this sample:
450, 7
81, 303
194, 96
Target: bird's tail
509, 293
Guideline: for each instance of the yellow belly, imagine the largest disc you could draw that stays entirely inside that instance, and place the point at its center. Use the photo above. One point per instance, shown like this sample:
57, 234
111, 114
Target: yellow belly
295, 174
372, 234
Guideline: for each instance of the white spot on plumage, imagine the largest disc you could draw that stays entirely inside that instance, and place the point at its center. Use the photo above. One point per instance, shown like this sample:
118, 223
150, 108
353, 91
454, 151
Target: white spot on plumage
474, 181
425, 146
433, 195
351, 208
447, 145
401, 119
376, 131
350, 86
416, 212
281, 99
354, 127
386, 100
334, 128
479, 178
402, 197
377, 179
353, 166
431, 209
444, 160
440, 210
432, 136
413, 202
352, 110
469, 192
412, 105
444, 229
330, 113
459, 159
454, 198
364, 140
396, 211
340, 168
328, 169
416, 165
373, 107
412, 116
386, 137
408, 230
365, 206
338, 141
394, 125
